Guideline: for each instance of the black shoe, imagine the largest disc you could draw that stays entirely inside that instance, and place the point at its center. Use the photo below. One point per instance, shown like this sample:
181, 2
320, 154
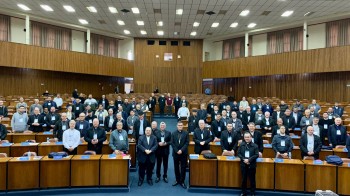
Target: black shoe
140, 183
175, 183
165, 180
157, 180
150, 182
184, 185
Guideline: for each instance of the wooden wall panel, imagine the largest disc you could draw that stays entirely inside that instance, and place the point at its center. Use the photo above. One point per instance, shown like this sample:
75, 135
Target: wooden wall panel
22, 81
33, 57
323, 86
182, 75
309, 61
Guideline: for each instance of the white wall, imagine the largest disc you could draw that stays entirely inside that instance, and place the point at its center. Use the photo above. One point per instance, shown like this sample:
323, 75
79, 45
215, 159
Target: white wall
126, 49
317, 36
259, 44
78, 41
18, 35
214, 49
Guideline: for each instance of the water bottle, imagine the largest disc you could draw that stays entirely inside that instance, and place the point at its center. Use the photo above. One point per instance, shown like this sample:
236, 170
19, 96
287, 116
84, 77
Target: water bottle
48, 140
28, 154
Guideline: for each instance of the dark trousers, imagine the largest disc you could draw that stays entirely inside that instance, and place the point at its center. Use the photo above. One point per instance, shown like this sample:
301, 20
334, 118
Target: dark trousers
247, 171
180, 164
176, 109
162, 159
146, 167
161, 109
74, 152
169, 109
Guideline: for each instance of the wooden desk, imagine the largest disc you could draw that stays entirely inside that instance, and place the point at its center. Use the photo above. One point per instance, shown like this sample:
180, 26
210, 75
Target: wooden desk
42, 137
3, 172
340, 152
319, 176
268, 138
289, 175
201, 166
191, 147
343, 179
190, 137
296, 153
114, 171
265, 173
23, 174
21, 137
85, 172
132, 152
108, 135
5, 149
216, 148
55, 173
106, 149
268, 151
229, 172
82, 148
45, 148
9, 136
17, 150
325, 153
296, 140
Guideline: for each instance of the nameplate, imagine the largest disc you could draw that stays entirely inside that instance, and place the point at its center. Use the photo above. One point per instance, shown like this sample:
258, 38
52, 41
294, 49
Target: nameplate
24, 143
6, 144
267, 145
217, 143
23, 158
345, 150
85, 156
318, 162
59, 143
297, 129
348, 164
194, 156
126, 156
47, 133
57, 157
294, 136
112, 156
230, 158
259, 160
279, 160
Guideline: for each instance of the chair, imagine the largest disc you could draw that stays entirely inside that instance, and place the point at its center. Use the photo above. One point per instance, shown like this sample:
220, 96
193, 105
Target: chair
205, 152
308, 158
52, 140
89, 152
32, 154
3, 155
228, 153
340, 146
265, 141
27, 132
31, 141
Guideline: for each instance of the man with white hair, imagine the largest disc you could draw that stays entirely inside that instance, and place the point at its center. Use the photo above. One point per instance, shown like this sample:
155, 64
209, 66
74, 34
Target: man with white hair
35, 105
201, 138
36, 121
71, 139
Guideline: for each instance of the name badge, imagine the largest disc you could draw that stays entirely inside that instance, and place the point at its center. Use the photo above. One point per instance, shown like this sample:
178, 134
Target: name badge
77, 108
212, 106
278, 131
253, 140
223, 107
338, 132
325, 126
118, 104
202, 135
133, 106
234, 124
103, 102
307, 122
246, 154
254, 108
49, 104
267, 122
225, 123
64, 127
219, 129
95, 136
89, 103
101, 115
267, 107
81, 126
259, 118
248, 118
53, 118
162, 139
21, 120
101, 125
121, 137
35, 120
330, 117
229, 139
149, 105
90, 121
169, 99
283, 143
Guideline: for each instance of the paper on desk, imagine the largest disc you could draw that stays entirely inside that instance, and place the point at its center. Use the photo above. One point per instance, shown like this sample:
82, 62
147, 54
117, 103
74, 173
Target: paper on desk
33, 144
37, 157
126, 157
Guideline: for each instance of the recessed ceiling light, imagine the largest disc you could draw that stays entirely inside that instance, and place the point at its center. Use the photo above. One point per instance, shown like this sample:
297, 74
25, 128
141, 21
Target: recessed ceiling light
160, 23
215, 24
193, 33
160, 32
244, 13
127, 32
196, 24
233, 25
251, 25
69, 8
120, 22
23, 7
140, 23
135, 10
176, 33
92, 9
143, 32
113, 10
46, 8
308, 13
287, 13
83, 21
179, 11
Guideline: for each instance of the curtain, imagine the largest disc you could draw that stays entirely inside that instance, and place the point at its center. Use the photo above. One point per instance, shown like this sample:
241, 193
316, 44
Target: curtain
49, 36
338, 33
5, 28
233, 48
285, 41
103, 45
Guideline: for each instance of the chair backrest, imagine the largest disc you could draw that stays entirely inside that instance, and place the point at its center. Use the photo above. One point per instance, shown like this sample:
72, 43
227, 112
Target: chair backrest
31, 141
228, 153
32, 154
3, 155
309, 158
52, 140
266, 141
27, 132
206, 151
89, 152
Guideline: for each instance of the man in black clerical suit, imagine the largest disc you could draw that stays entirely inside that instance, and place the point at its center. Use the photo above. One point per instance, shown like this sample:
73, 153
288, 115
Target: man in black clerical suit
163, 150
201, 138
229, 139
95, 137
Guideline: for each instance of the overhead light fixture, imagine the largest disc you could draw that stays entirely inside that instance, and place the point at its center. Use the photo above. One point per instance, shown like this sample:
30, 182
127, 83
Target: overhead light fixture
69, 8
193, 33
233, 25
176, 33
308, 13
135, 10
120, 22
196, 24
143, 32
140, 23
23, 7
113, 10
92, 9
160, 32
251, 25
215, 24
287, 13
160, 23
127, 32
83, 21
179, 11
244, 13
46, 8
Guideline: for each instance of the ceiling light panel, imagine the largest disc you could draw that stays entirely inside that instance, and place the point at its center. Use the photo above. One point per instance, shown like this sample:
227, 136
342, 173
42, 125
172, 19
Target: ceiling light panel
135, 10
69, 8
46, 8
215, 24
83, 21
92, 9
179, 11
120, 22
251, 25
113, 10
233, 25
244, 13
196, 24
127, 32
143, 32
287, 13
160, 32
140, 23
23, 7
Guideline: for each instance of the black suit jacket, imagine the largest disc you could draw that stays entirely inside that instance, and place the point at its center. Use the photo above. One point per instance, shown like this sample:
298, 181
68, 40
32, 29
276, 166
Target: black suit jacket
57, 131
258, 140
163, 150
3, 132
40, 121
192, 123
247, 120
78, 108
332, 135
274, 131
49, 120
3, 111
215, 128
299, 116
225, 145
348, 145
275, 116
142, 145
202, 114
288, 122
197, 138
253, 153
106, 103
106, 123
101, 136
137, 127
303, 146
179, 141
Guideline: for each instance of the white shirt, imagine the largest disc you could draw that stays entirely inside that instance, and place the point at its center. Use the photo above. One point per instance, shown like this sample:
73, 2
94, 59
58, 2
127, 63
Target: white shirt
58, 101
316, 130
71, 138
310, 143
183, 112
